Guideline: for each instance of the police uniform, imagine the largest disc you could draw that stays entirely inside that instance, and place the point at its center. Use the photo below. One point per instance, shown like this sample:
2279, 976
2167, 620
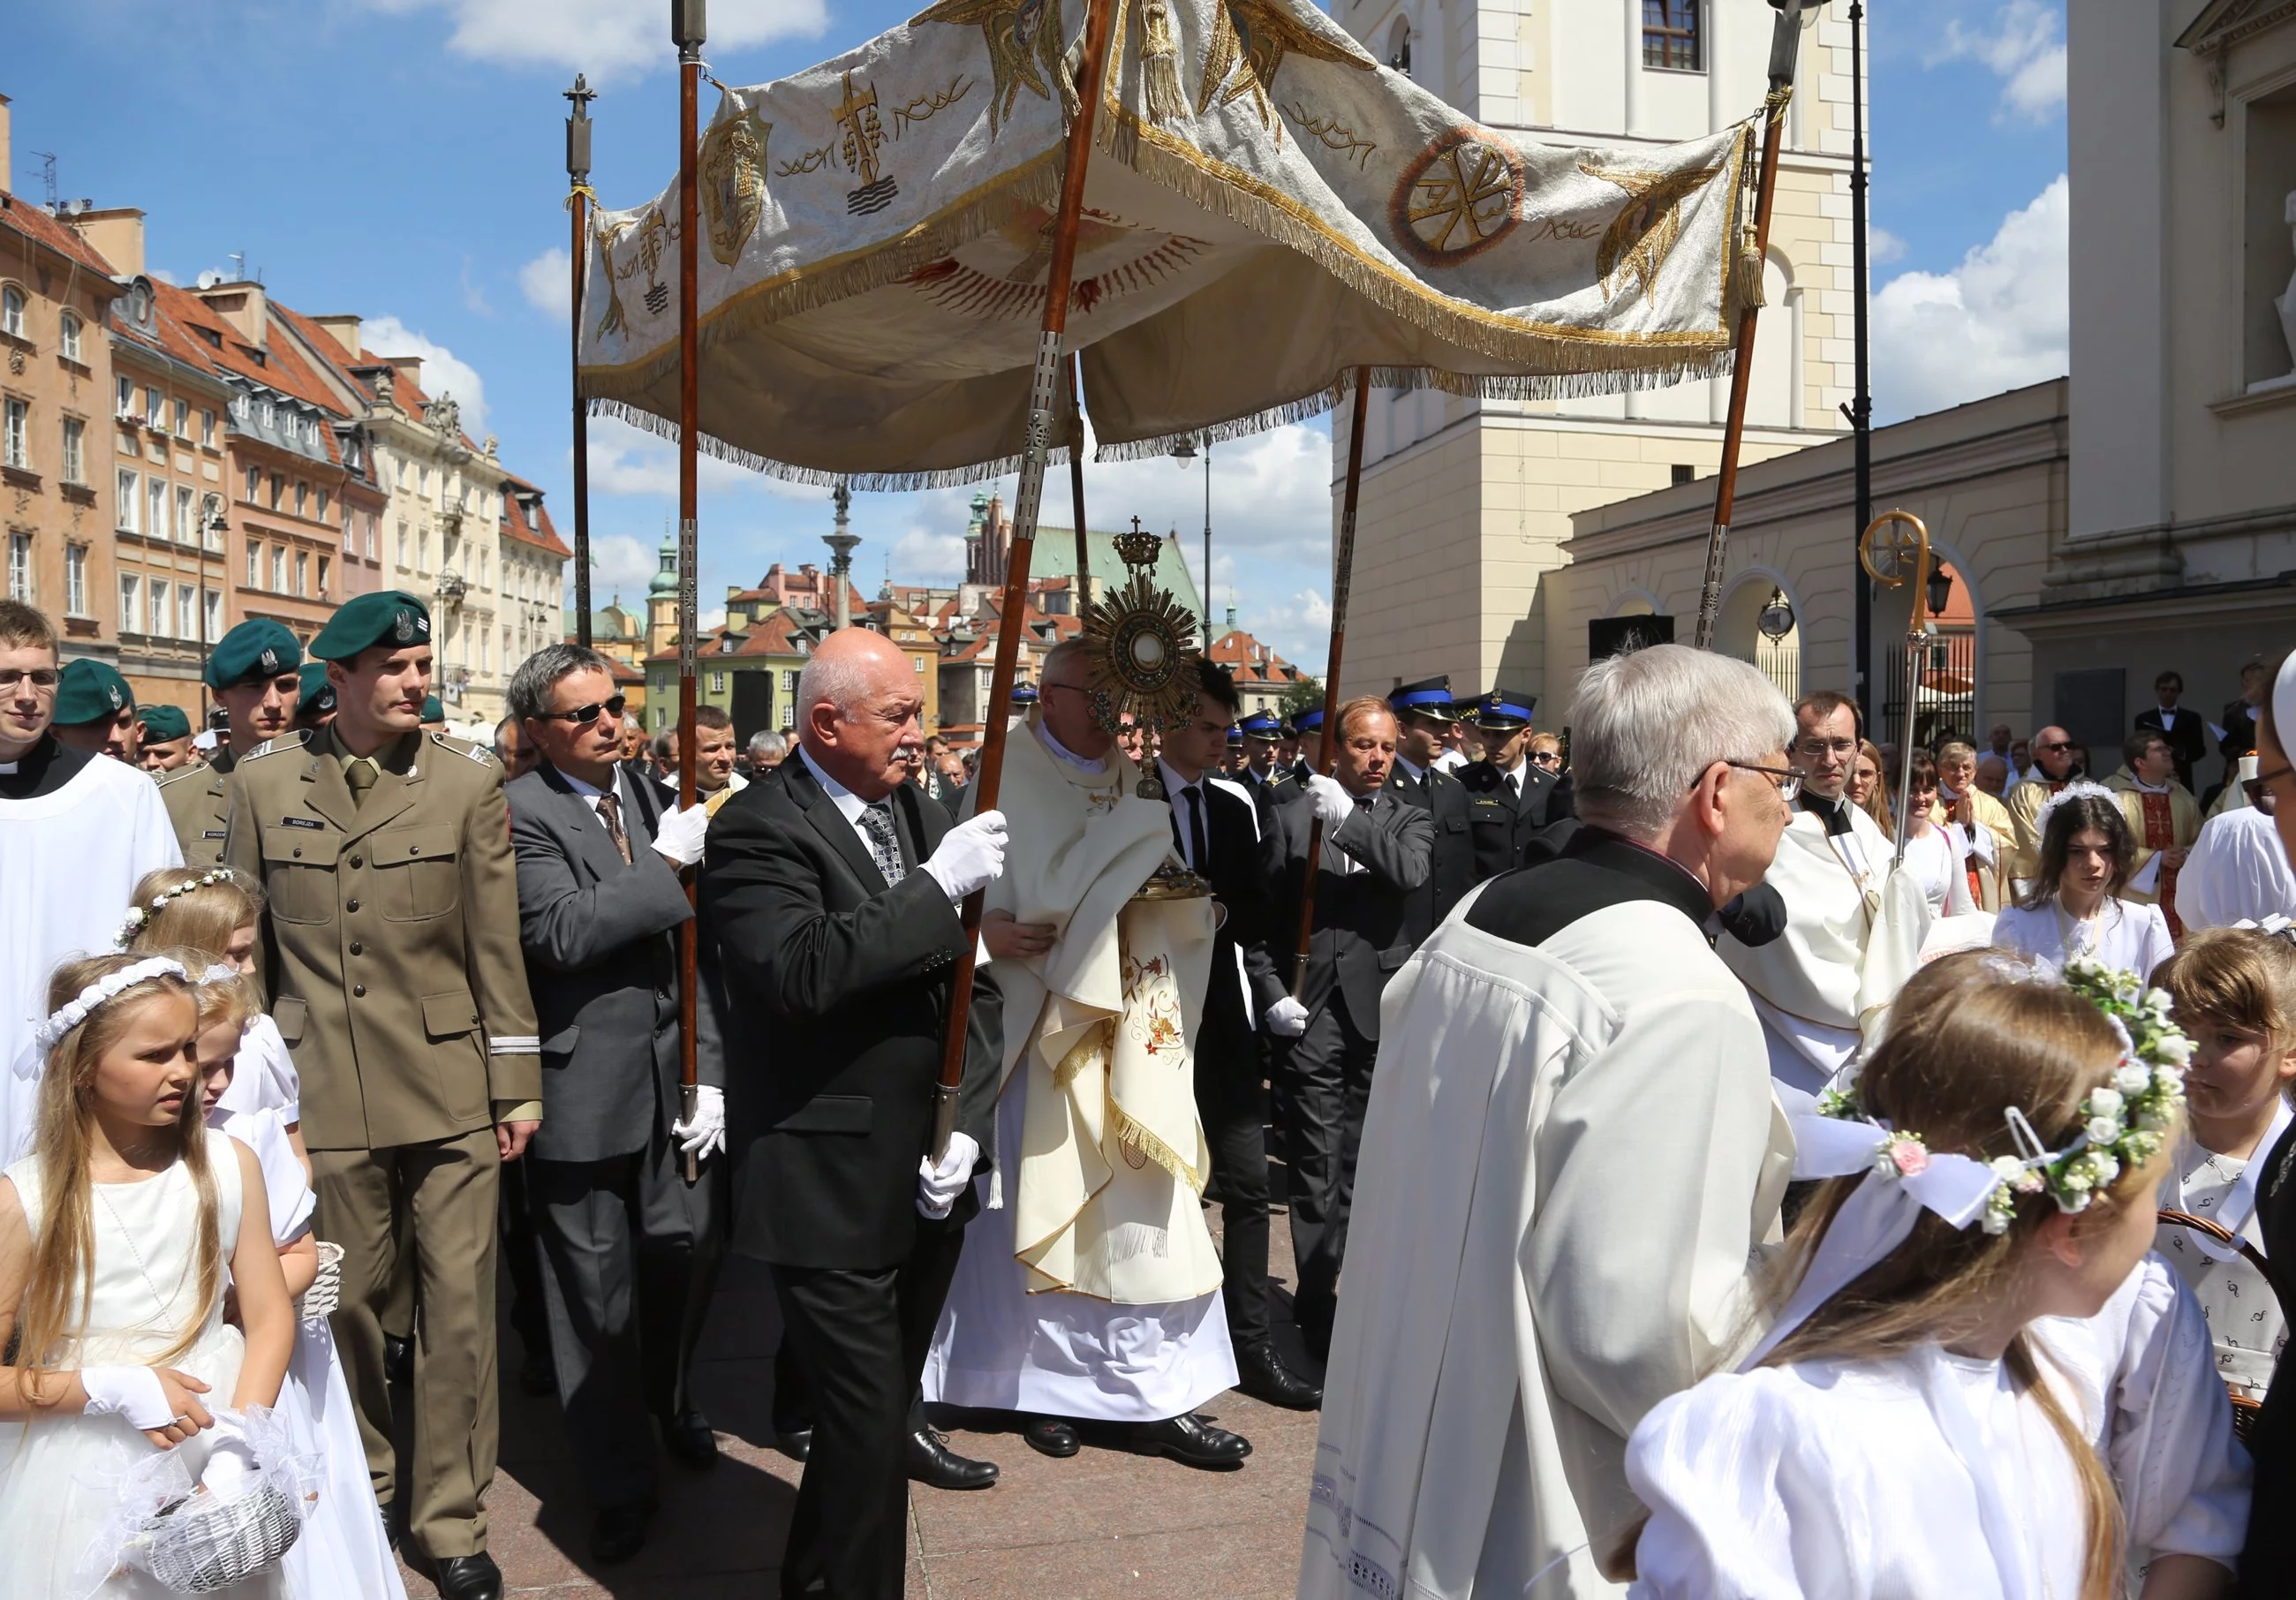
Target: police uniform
1505, 808
1436, 791
195, 796
393, 967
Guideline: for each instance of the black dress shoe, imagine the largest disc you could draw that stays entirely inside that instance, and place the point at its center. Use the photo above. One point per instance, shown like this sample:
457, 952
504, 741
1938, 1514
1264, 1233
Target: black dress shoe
930, 1461
538, 1375
618, 1532
1260, 1372
689, 1437
398, 1358
468, 1577
1051, 1436
1190, 1441
794, 1439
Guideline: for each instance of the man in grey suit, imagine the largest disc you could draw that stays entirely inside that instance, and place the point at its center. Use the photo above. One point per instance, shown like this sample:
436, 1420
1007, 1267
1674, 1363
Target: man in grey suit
629, 1250
1378, 849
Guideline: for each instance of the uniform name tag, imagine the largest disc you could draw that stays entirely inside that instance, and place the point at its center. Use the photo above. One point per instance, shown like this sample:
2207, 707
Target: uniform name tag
213, 833
300, 822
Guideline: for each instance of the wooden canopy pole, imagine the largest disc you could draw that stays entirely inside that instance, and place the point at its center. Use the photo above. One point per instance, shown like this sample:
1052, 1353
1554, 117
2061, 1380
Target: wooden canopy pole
1785, 45
1059, 277
690, 31
1343, 564
578, 203
1076, 487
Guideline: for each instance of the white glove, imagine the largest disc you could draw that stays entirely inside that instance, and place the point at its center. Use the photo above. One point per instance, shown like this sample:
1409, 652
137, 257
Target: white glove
971, 856
1287, 1019
231, 1457
133, 1392
1334, 804
938, 1187
678, 839
705, 1135
326, 1291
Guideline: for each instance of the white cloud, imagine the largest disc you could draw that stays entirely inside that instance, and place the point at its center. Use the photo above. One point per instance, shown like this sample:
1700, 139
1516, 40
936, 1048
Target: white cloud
1996, 322
443, 372
605, 38
620, 565
2024, 47
924, 556
1882, 247
548, 283
625, 460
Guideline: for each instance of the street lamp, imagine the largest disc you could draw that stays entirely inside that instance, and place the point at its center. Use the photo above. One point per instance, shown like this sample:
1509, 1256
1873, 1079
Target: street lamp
218, 526
841, 555
1941, 590
1777, 618
1183, 452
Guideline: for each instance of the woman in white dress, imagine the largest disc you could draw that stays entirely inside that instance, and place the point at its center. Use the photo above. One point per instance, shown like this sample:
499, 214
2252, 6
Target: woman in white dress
2234, 991
2086, 850
118, 1234
1920, 1420
344, 1550
1932, 851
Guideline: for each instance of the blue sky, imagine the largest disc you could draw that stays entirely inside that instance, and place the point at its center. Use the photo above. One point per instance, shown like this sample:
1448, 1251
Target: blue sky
403, 160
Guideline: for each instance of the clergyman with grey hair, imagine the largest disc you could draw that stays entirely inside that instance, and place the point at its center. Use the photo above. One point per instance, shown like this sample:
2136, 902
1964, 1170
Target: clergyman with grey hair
1569, 1146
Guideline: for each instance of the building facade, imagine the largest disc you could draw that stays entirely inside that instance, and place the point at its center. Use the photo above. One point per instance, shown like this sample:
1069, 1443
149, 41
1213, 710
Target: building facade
1466, 505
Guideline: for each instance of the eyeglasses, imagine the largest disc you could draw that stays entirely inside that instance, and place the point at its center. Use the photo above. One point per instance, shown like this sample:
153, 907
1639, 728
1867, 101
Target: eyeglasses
583, 715
2055, 744
2265, 780
1788, 780
39, 678
1815, 748
1547, 757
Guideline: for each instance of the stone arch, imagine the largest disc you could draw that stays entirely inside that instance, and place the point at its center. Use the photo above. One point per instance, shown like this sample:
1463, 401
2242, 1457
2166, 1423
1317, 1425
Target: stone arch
1737, 627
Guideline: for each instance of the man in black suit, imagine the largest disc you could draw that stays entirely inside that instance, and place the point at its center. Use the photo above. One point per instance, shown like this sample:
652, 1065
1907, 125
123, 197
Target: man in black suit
1377, 850
1422, 717
1217, 838
630, 1251
832, 886
1507, 794
2187, 735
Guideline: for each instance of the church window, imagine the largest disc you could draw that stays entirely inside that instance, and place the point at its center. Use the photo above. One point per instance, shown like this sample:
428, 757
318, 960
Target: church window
1398, 46
1671, 36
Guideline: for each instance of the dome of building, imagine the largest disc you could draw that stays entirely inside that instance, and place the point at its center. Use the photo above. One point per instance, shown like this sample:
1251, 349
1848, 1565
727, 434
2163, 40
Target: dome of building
664, 581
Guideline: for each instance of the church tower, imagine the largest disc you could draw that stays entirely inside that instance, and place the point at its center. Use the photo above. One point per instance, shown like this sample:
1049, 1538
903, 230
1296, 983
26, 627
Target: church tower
661, 601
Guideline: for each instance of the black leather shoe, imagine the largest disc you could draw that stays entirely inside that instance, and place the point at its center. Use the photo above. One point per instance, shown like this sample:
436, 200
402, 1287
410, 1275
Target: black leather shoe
689, 1437
468, 1577
618, 1532
1190, 1441
398, 1358
1260, 1372
1051, 1436
930, 1461
794, 1439
538, 1375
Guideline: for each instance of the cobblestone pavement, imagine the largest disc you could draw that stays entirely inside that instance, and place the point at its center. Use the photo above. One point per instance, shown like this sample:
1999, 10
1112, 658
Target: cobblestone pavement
1105, 1523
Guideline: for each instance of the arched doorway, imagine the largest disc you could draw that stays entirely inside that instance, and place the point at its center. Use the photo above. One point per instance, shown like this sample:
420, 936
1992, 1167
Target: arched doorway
1951, 693
1749, 627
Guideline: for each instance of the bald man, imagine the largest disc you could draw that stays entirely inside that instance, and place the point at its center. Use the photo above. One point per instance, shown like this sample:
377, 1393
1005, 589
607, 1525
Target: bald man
831, 885
2055, 764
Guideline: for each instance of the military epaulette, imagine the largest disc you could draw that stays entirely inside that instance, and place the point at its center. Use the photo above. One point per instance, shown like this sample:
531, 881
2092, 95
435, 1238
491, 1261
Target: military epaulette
465, 748
296, 741
196, 769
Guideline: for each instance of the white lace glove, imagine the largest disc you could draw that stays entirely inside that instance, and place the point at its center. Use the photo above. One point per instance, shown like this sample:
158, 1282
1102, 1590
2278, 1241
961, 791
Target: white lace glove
705, 1135
938, 1187
972, 856
1334, 804
1287, 1019
326, 1291
678, 839
133, 1392
231, 1464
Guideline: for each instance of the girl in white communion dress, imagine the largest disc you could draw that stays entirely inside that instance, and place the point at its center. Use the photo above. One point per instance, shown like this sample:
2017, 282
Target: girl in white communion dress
1977, 1385
118, 1234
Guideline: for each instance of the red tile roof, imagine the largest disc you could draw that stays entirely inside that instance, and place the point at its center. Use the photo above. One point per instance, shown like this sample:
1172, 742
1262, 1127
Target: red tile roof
34, 223
537, 531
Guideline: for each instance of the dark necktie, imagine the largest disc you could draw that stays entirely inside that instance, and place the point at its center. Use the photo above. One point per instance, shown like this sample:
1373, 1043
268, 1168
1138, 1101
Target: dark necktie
610, 810
1198, 850
1514, 788
877, 822
360, 775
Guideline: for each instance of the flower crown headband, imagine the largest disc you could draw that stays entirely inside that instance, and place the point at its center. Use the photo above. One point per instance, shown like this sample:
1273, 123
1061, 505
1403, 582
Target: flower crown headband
2123, 1123
2080, 789
139, 917
110, 987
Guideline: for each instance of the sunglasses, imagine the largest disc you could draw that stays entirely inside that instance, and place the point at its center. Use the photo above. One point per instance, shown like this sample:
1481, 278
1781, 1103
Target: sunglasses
583, 715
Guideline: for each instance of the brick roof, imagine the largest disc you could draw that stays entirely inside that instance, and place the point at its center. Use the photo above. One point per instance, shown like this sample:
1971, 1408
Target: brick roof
537, 531
33, 222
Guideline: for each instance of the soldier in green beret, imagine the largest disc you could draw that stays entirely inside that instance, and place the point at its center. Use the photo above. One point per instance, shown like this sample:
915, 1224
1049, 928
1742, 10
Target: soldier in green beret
391, 956
165, 741
434, 715
252, 670
317, 707
95, 710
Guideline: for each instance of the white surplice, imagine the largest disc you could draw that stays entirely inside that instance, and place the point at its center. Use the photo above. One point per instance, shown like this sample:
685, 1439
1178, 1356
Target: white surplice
1566, 1167
69, 861
1853, 935
2237, 870
1929, 1474
2123, 935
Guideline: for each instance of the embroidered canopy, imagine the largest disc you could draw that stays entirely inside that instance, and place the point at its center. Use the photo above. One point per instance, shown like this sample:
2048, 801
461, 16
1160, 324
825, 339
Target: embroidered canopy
1269, 209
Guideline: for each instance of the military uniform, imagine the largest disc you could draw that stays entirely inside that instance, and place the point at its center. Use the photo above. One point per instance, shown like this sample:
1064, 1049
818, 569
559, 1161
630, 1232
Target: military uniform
392, 962
1452, 874
196, 804
256, 651
1505, 810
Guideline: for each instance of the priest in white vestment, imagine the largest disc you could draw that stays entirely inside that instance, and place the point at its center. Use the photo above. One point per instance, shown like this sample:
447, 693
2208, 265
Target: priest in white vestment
2237, 872
77, 832
1571, 1155
1089, 1287
1854, 930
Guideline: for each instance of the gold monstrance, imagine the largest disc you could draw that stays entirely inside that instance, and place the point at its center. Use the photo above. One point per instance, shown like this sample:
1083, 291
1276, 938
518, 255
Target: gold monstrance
1142, 646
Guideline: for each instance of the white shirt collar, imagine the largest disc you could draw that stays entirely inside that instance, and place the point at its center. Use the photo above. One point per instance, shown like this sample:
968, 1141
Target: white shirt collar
2145, 788
1417, 774
1095, 765
850, 805
1173, 782
2168, 714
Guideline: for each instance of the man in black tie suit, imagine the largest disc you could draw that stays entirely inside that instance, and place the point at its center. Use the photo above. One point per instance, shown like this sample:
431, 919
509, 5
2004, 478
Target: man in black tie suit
832, 886
1424, 716
1508, 795
1377, 850
1216, 836
2187, 735
630, 1252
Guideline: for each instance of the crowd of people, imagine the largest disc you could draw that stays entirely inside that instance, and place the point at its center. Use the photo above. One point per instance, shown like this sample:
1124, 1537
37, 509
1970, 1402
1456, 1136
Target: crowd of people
1723, 1155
